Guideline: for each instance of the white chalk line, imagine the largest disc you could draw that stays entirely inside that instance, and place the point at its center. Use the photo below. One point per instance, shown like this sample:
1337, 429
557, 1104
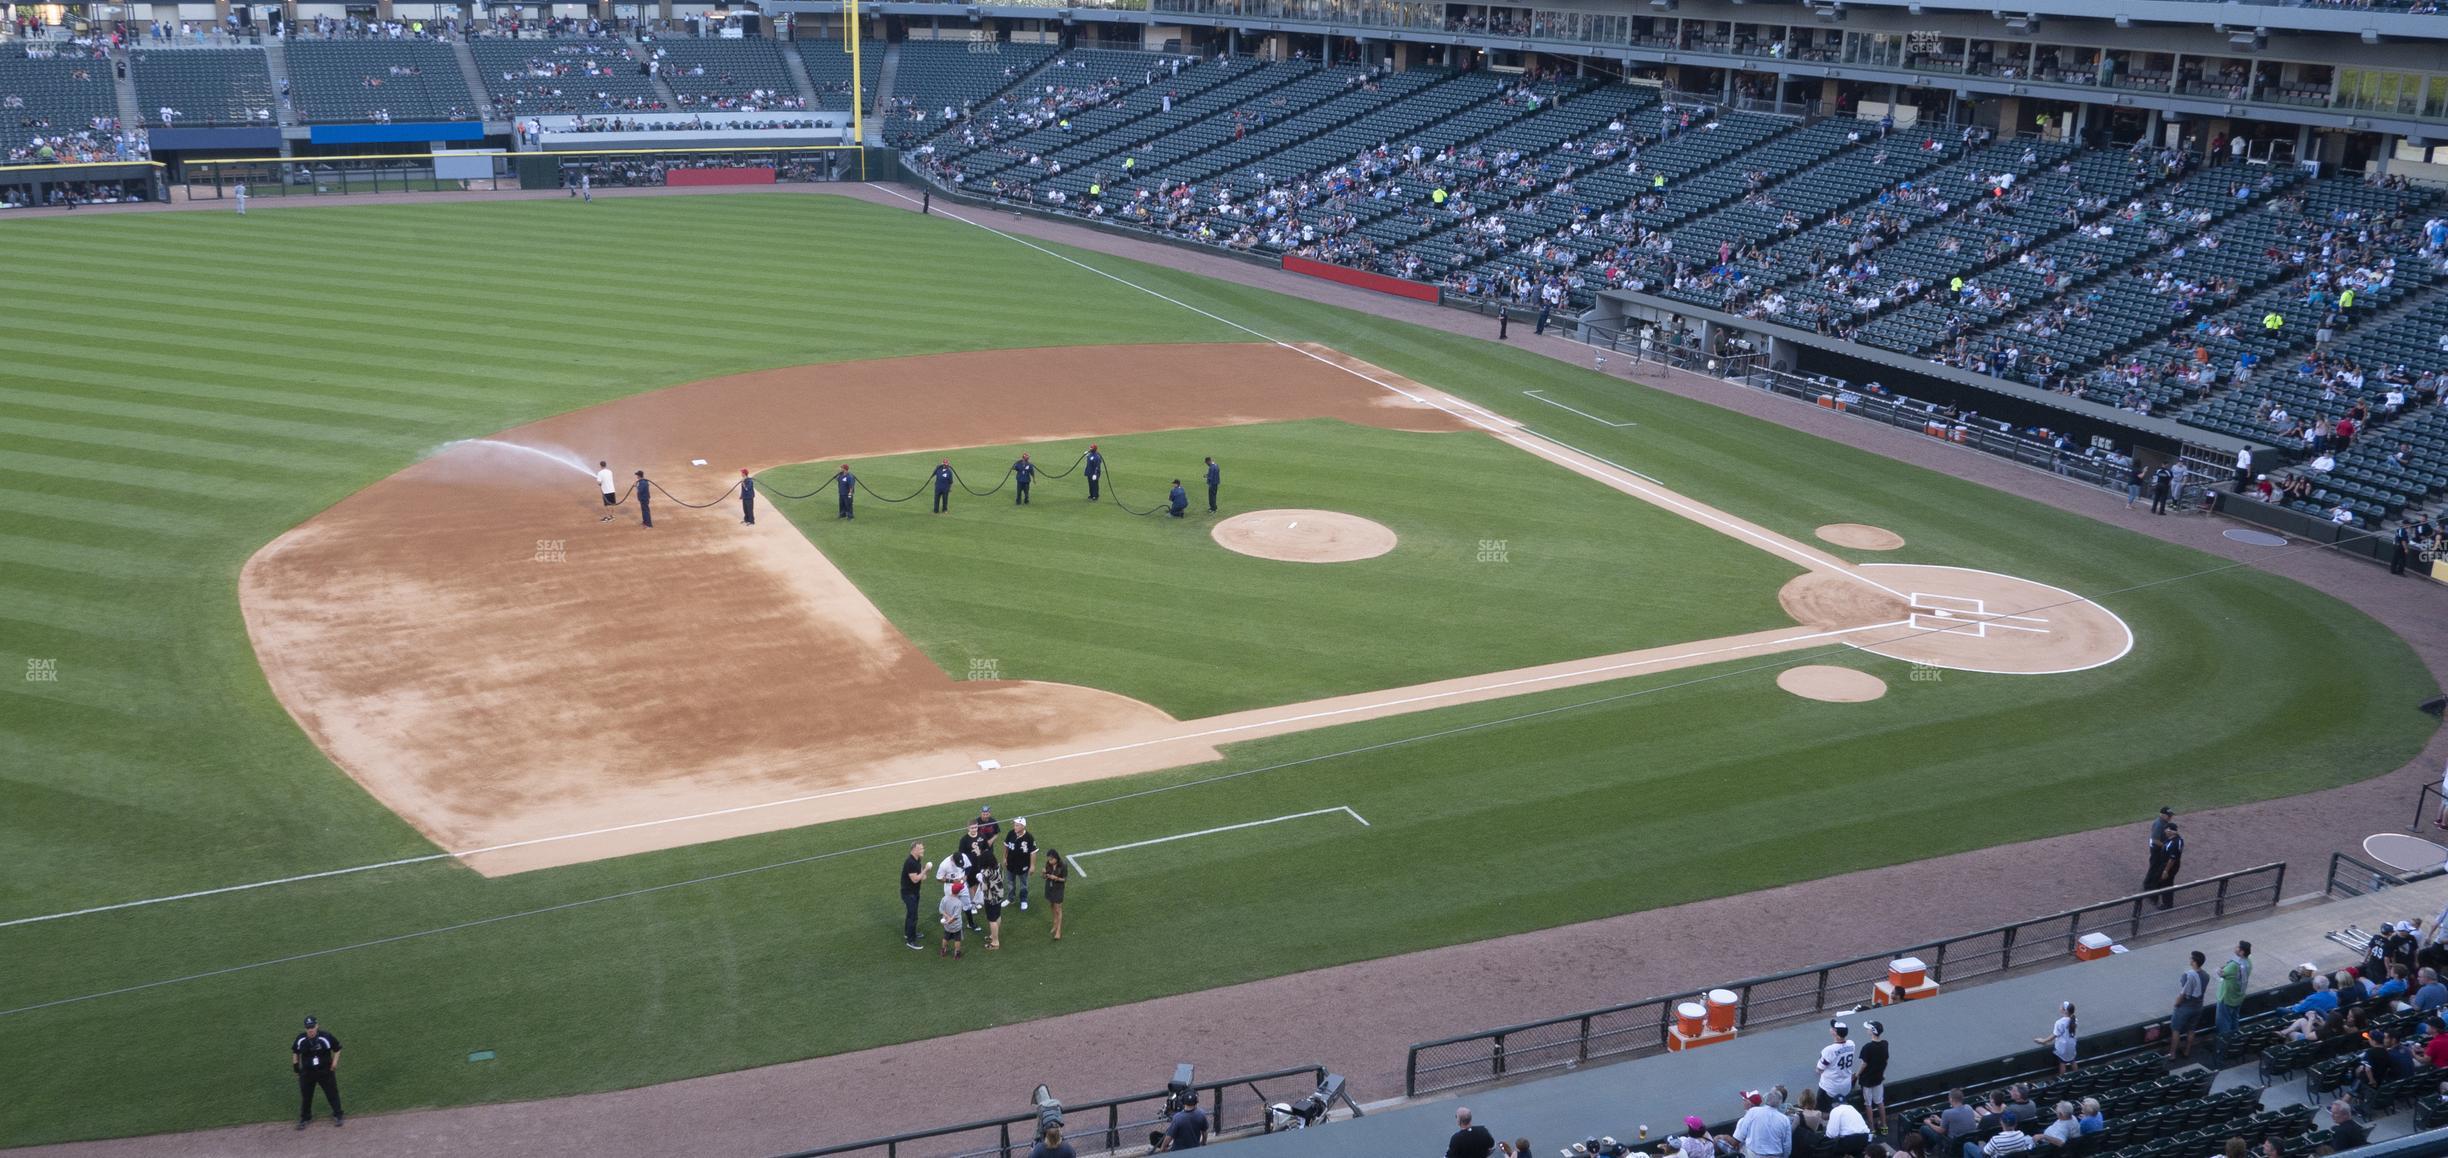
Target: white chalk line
1772, 543
812, 797
1583, 413
1343, 808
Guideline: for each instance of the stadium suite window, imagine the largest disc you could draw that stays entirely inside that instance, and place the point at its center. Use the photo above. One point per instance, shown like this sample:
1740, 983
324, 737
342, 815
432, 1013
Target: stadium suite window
2406, 93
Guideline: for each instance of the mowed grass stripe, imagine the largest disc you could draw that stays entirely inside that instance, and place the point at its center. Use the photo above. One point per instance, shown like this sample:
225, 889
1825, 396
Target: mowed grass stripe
299, 405
377, 432
234, 450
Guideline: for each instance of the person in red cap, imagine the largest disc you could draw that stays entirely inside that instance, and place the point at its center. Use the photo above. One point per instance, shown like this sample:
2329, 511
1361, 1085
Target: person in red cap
1095, 463
747, 499
943, 486
954, 908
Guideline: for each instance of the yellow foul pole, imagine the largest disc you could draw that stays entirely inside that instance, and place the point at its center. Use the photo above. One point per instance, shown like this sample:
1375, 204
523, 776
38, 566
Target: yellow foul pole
858, 90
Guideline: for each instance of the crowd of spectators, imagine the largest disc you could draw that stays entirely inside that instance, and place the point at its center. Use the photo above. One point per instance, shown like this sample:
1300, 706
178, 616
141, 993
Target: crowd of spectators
554, 81
694, 124
101, 140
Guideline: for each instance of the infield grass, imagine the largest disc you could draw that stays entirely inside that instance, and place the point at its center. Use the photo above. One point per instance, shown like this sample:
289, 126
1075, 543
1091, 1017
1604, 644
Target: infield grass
183, 387
1504, 560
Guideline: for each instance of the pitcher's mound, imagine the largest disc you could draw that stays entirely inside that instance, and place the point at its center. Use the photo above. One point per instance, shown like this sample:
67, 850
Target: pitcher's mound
1861, 537
1305, 536
1837, 685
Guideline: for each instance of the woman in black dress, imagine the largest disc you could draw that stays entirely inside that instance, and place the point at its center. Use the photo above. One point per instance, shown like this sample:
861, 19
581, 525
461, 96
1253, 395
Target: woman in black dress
1057, 871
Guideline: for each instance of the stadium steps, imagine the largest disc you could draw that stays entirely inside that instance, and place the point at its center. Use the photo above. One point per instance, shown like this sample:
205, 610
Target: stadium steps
276, 61
800, 79
886, 74
662, 88
1138, 134
131, 111
467, 68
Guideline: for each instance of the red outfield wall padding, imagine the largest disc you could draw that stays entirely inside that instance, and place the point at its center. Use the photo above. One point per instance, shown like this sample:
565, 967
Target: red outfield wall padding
1362, 278
742, 176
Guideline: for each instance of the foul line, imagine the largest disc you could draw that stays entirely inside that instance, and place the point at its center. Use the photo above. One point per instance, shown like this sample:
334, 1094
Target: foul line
1583, 413
1499, 425
1343, 808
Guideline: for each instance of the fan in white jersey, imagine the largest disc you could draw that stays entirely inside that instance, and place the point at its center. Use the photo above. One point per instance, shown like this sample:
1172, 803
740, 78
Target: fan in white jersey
1836, 1064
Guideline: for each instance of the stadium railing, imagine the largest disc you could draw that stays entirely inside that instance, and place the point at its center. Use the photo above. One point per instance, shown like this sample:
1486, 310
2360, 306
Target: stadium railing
2352, 876
1639, 1028
482, 170
1110, 1124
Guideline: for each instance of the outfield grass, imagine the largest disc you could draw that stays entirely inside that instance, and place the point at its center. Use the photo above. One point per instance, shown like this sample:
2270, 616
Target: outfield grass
1155, 609
183, 387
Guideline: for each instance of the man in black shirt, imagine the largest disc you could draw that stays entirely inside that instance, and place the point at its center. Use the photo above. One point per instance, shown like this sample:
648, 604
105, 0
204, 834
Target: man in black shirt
1019, 859
1469, 1141
1188, 1129
913, 875
986, 826
315, 1058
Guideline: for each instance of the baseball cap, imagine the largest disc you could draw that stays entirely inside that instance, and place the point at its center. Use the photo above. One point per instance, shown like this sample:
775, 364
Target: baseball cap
2008, 1118
1693, 1121
310, 1021
985, 809
960, 886
1838, 1026
1876, 1026
1751, 1096
1019, 822
2164, 810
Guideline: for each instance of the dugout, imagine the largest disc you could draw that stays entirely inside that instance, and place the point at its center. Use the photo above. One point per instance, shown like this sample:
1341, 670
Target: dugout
71, 185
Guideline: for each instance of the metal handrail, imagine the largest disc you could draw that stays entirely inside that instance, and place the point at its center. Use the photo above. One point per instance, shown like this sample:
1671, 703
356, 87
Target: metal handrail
2363, 877
1639, 1028
1108, 1135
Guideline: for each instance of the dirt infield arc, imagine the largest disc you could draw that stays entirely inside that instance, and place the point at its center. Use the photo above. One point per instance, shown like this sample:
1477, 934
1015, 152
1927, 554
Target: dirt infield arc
531, 686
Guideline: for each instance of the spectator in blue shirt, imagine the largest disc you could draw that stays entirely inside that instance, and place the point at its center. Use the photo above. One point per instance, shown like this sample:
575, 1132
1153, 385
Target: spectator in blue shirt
2322, 999
2394, 987
2431, 994
2092, 1120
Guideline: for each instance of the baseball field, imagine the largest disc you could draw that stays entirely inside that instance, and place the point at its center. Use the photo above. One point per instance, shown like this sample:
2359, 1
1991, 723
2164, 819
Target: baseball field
316, 603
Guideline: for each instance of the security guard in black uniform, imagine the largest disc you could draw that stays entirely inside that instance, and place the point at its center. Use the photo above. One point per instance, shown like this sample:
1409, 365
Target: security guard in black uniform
943, 486
1022, 472
645, 511
1096, 470
1215, 476
847, 484
315, 1057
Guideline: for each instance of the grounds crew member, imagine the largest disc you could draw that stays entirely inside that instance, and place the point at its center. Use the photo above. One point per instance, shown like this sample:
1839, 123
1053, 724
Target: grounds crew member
846, 484
1215, 478
611, 490
1022, 472
1096, 470
747, 499
943, 486
1180, 499
315, 1058
645, 512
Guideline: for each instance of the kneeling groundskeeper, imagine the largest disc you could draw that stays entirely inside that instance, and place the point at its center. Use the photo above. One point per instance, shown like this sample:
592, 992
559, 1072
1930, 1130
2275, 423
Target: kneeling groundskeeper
1180, 499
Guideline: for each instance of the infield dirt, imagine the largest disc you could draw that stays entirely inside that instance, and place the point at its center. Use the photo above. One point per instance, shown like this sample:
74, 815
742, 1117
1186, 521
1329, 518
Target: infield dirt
532, 684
